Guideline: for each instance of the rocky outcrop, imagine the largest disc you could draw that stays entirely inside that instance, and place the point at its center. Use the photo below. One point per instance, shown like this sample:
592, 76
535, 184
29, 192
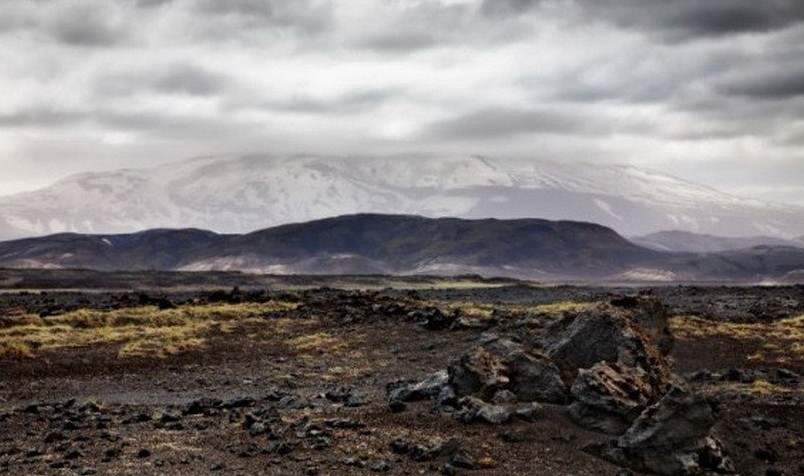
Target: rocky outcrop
502, 364
616, 367
607, 397
478, 373
672, 437
614, 355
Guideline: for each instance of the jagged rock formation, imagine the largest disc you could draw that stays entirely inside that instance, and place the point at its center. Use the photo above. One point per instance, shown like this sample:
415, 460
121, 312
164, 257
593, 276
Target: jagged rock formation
609, 362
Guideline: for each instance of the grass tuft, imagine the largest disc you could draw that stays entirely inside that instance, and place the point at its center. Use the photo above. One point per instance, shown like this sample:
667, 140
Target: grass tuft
141, 331
779, 340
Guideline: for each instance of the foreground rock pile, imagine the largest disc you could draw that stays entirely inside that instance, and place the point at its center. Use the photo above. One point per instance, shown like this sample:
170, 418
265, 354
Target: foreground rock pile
607, 364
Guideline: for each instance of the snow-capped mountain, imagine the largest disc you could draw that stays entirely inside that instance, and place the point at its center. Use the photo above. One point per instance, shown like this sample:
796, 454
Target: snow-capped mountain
235, 195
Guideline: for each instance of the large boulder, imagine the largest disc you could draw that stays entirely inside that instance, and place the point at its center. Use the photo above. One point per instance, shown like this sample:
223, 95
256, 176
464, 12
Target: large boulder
478, 373
502, 364
608, 397
672, 437
615, 365
602, 333
651, 315
534, 377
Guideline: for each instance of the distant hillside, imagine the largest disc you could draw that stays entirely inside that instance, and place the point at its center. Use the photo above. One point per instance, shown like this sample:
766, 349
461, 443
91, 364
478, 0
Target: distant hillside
403, 244
152, 249
241, 194
351, 244
761, 263
683, 241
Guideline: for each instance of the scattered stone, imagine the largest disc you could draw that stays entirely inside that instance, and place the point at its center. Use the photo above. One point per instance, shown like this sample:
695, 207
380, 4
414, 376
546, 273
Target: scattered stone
143, 453
503, 396
354, 462
55, 436
355, 400
461, 460
476, 410
169, 417
113, 452
73, 454
529, 412
293, 402
765, 454
447, 397
427, 388
399, 447
200, 406
381, 467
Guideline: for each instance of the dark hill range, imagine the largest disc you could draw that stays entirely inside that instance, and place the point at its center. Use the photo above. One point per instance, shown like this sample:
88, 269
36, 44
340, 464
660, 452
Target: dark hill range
402, 244
160, 249
684, 241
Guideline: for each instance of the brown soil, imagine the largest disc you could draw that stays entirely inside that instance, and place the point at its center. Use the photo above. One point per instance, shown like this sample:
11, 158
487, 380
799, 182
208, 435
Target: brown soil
43, 432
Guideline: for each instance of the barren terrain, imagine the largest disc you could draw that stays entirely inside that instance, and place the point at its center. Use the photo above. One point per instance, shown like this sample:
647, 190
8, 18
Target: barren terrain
192, 375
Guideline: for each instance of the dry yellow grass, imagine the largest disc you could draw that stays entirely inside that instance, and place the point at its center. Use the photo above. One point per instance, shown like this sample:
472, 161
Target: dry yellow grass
483, 310
316, 343
140, 331
784, 337
758, 387
558, 307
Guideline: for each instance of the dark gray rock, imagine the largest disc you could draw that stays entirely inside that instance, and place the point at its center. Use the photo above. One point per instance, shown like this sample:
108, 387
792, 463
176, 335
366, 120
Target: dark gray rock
534, 377
381, 466
608, 397
479, 373
672, 437
476, 410
529, 412
425, 389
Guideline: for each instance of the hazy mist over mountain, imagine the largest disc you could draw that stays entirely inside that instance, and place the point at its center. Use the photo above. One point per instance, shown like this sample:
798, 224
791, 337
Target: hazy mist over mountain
243, 194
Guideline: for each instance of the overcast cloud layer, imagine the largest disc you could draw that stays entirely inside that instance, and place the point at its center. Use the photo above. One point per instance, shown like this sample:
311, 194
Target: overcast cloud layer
710, 90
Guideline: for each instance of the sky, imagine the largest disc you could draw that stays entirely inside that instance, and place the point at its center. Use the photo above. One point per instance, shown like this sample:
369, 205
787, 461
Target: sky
709, 90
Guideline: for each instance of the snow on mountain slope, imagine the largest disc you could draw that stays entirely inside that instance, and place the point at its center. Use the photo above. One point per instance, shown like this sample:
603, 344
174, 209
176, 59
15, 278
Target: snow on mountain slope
247, 193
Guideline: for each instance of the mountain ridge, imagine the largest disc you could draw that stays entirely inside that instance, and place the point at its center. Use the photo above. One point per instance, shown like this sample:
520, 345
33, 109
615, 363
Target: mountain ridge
684, 241
406, 245
240, 194
359, 243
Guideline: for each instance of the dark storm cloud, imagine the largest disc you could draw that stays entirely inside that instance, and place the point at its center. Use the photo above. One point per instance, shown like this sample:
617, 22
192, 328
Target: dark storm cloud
496, 8
684, 19
349, 103
153, 3
86, 25
191, 80
402, 41
179, 78
425, 25
499, 123
308, 16
421, 26
770, 84
12, 19
40, 117
651, 81
171, 126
